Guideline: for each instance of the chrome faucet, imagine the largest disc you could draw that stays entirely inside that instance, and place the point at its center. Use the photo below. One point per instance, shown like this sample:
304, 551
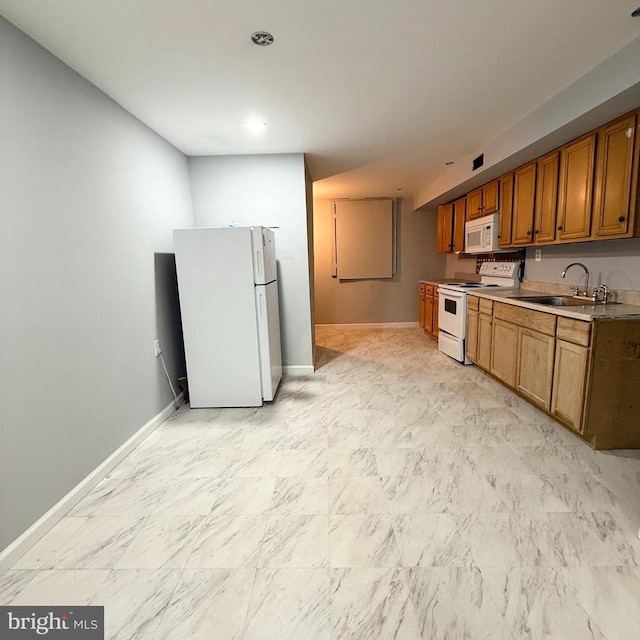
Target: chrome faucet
586, 281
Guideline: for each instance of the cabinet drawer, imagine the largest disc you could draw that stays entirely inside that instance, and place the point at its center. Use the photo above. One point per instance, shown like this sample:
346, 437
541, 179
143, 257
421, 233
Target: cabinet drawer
575, 331
423, 286
536, 320
428, 289
486, 306
473, 303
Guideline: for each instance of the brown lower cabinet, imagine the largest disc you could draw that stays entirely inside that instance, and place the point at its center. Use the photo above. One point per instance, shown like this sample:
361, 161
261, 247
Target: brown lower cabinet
504, 345
428, 312
571, 366
535, 366
583, 374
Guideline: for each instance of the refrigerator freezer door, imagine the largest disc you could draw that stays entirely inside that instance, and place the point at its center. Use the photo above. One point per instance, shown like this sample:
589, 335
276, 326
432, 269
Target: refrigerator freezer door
268, 314
217, 301
264, 255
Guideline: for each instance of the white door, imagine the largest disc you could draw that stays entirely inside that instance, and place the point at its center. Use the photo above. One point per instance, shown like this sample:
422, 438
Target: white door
267, 311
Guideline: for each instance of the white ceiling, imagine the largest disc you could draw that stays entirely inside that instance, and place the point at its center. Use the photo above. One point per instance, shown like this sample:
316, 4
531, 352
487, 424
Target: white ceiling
377, 93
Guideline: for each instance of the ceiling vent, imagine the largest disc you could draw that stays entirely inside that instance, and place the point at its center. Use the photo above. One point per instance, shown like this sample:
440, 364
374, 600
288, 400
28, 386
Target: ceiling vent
636, 13
478, 162
262, 38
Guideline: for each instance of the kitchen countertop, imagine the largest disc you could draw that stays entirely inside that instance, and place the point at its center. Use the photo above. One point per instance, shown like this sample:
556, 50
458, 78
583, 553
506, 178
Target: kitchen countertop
585, 312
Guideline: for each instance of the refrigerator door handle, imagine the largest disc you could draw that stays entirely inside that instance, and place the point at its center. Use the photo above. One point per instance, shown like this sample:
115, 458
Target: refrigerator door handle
259, 256
261, 299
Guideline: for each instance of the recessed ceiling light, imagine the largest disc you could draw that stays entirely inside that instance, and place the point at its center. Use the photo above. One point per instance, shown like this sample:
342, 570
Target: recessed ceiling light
449, 163
262, 38
256, 126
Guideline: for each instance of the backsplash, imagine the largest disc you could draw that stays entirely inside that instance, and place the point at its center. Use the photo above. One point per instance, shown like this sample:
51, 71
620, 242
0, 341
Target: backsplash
616, 295
615, 263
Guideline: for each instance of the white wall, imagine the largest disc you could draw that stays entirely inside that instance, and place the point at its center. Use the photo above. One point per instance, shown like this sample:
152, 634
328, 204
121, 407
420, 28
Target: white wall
266, 190
88, 197
389, 300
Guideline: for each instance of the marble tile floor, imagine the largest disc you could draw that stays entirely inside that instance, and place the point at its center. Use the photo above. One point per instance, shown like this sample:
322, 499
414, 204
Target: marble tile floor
394, 494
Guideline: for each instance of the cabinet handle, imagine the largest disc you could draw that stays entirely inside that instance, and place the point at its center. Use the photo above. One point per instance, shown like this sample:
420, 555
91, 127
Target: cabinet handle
559, 227
537, 231
621, 219
528, 233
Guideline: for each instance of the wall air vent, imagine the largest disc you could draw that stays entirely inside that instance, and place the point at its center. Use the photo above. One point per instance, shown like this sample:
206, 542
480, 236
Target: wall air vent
478, 162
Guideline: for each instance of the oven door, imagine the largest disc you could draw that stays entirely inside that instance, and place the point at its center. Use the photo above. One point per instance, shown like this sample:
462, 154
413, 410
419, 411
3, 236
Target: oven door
452, 312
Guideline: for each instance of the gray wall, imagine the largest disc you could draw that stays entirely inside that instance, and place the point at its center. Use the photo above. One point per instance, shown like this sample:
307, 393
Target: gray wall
612, 262
393, 300
88, 197
267, 190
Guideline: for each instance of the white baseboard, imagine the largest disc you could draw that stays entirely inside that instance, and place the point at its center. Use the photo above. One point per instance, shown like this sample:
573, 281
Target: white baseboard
373, 325
21, 545
294, 370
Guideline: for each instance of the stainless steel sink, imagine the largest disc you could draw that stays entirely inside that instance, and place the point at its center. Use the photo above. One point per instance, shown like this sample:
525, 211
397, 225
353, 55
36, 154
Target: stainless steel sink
561, 301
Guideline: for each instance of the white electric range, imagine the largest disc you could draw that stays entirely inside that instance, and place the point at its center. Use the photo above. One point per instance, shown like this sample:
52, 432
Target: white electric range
452, 310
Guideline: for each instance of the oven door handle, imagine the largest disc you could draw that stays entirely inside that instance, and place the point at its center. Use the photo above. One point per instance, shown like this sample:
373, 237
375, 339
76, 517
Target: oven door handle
451, 294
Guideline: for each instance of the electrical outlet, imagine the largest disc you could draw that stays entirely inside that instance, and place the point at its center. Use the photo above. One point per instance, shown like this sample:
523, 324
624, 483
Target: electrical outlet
156, 346
538, 257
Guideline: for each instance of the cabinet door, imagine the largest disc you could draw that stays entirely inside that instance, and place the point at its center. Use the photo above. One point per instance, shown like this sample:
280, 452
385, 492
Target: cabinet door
471, 341
504, 351
474, 205
546, 198
535, 366
577, 162
421, 309
485, 332
445, 228
459, 218
490, 198
615, 179
428, 314
569, 383
524, 198
506, 210
436, 311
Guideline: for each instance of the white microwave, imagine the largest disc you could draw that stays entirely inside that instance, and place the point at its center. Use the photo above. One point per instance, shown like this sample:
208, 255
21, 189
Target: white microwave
481, 235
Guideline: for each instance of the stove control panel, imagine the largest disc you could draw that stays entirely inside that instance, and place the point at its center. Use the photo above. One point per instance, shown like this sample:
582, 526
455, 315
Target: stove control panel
500, 269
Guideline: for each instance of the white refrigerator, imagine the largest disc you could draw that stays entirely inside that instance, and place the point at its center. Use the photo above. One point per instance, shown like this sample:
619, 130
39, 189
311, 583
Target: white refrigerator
228, 290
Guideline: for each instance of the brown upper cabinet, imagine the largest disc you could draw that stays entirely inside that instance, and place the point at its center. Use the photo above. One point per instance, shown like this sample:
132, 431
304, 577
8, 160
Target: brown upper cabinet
474, 205
506, 210
524, 199
546, 203
588, 189
445, 228
459, 218
483, 201
577, 161
616, 179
